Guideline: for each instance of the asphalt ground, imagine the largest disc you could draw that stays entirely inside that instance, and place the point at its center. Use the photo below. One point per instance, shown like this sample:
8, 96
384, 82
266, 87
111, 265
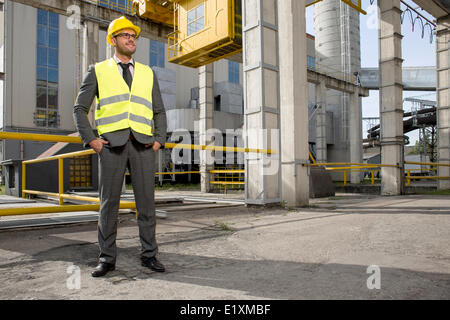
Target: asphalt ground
343, 247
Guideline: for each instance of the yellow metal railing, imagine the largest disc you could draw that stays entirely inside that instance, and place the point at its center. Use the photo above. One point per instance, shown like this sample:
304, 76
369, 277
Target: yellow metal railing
173, 46
433, 168
168, 145
60, 159
357, 7
228, 178
223, 176
312, 3
312, 158
61, 195
346, 167
371, 171
38, 137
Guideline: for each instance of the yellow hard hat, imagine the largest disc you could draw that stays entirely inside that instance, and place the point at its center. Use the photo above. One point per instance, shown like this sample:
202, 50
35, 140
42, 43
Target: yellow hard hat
120, 24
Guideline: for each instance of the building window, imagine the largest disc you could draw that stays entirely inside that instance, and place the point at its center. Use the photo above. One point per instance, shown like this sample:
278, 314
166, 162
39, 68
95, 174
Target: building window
119, 5
233, 72
46, 114
11, 177
196, 19
217, 103
80, 172
311, 62
157, 56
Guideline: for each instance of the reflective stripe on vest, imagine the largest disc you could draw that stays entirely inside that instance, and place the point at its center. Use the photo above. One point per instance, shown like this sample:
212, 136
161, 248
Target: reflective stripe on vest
112, 119
118, 107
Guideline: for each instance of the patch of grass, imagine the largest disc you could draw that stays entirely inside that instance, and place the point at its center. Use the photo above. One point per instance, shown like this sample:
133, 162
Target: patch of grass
224, 226
336, 198
178, 186
283, 204
441, 192
173, 187
369, 181
2, 190
309, 206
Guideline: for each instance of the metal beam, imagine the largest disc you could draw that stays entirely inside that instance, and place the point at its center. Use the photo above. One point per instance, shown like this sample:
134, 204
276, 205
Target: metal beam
336, 84
414, 78
101, 15
437, 8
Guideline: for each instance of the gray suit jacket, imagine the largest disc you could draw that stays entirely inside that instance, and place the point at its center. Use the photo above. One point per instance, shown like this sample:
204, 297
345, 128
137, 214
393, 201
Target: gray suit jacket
89, 89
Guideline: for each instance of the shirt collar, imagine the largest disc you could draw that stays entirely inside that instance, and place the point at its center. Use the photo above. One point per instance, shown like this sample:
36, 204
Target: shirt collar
117, 60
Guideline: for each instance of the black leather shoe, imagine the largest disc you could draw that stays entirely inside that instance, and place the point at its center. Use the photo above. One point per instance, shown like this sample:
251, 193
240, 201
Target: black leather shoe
153, 264
102, 269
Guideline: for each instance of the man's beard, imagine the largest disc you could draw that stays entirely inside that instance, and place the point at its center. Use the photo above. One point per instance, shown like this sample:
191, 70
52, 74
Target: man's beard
125, 51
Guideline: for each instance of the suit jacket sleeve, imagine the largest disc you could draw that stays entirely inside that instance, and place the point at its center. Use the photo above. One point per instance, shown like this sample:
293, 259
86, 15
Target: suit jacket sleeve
88, 91
159, 113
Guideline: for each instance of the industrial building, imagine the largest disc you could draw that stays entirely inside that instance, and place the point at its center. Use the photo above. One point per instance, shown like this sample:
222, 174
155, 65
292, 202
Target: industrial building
49, 66
324, 210
235, 81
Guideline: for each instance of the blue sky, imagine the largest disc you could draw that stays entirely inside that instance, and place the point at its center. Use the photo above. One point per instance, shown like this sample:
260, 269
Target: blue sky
415, 50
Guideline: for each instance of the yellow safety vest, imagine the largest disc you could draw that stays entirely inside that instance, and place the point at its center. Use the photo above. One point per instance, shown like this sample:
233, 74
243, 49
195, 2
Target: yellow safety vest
118, 107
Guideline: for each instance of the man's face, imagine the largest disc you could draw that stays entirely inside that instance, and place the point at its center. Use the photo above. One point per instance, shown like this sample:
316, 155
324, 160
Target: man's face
124, 44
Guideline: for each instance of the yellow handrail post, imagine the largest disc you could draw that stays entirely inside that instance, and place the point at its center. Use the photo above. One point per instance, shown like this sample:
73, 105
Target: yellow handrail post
345, 178
60, 180
373, 177
408, 176
23, 179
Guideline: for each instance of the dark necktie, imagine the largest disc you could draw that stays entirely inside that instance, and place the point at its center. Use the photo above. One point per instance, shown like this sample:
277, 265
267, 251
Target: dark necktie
126, 73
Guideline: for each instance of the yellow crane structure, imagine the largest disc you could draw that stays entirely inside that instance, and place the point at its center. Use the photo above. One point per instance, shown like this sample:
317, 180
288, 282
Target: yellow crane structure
204, 30
161, 11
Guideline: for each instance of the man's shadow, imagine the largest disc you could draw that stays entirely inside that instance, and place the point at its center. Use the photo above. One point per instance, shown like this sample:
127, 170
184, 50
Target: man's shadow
261, 278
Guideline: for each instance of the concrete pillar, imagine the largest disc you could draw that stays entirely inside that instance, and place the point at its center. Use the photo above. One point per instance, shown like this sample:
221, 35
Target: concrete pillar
355, 131
261, 101
443, 98
109, 51
206, 102
294, 103
89, 55
2, 39
321, 123
391, 94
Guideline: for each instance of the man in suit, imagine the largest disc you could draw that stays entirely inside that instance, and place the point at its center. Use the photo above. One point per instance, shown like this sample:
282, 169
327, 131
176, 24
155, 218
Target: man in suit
131, 124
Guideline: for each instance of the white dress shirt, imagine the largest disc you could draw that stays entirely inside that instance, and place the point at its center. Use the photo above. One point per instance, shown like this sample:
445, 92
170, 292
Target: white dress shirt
131, 67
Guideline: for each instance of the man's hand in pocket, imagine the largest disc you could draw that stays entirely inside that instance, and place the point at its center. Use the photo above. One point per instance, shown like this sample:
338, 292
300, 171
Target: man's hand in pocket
97, 144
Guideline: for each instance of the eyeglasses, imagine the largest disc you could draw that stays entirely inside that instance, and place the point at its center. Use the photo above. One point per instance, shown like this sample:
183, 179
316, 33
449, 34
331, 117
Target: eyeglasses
126, 35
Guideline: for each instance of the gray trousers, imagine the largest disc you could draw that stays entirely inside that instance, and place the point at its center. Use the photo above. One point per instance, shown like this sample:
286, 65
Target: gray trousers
141, 164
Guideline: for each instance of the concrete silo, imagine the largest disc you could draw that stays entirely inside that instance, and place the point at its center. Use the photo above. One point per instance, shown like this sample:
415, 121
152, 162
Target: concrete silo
337, 44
